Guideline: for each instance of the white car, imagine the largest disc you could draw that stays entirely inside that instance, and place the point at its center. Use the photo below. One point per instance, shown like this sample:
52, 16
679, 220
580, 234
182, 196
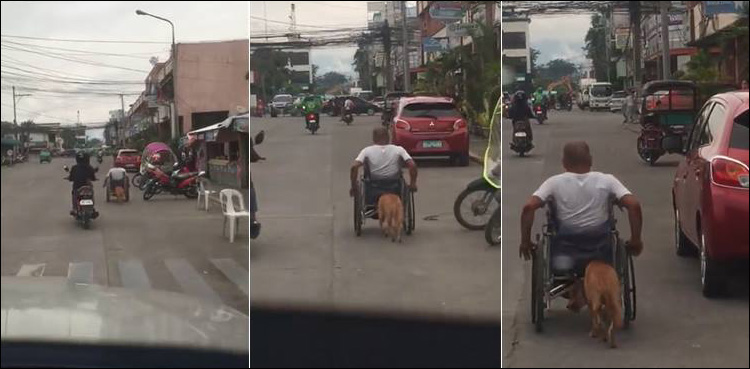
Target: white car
617, 101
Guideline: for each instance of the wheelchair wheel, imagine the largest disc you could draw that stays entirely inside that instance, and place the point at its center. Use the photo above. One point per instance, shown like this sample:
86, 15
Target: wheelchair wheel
409, 221
358, 211
627, 284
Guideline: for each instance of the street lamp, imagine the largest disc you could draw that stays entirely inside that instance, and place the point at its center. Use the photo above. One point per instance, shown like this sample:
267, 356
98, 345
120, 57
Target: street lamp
174, 72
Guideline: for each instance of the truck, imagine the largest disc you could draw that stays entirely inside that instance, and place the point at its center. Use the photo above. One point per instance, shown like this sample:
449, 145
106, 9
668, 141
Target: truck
594, 95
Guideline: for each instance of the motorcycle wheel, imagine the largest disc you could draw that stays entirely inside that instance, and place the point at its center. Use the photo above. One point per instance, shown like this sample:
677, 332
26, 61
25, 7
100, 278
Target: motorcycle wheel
148, 192
479, 213
137, 179
492, 230
192, 192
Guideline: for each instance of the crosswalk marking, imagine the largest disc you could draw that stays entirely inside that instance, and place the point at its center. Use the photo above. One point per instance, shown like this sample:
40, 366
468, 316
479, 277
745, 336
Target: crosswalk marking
81, 272
190, 280
133, 274
31, 270
234, 272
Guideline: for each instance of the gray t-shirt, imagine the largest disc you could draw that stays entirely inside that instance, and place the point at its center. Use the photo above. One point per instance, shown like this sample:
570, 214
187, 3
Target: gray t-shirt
116, 174
582, 200
385, 160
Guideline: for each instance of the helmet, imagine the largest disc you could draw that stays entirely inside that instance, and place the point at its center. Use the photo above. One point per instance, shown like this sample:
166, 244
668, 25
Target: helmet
82, 157
520, 95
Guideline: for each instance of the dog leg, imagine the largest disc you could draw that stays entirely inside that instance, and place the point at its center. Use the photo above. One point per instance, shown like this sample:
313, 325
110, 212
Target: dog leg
611, 335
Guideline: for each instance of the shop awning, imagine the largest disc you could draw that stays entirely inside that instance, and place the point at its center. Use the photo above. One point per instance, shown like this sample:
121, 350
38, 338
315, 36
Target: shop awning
224, 124
10, 142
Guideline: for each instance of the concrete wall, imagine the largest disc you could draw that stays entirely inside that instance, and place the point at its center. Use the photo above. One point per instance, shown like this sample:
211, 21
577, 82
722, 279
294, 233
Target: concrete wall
211, 77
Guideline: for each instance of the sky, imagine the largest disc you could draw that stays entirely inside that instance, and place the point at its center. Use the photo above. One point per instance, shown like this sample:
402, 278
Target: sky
40, 70
560, 36
312, 15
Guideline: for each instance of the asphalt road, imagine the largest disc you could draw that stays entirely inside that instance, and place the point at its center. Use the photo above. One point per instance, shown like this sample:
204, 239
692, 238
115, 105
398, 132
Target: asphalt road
308, 255
676, 326
164, 244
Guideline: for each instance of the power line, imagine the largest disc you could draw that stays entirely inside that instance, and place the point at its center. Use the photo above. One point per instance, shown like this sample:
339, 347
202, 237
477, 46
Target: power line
83, 40
336, 5
78, 51
55, 56
287, 23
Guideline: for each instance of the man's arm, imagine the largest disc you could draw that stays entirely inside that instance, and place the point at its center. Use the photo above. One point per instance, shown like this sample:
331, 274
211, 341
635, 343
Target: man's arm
354, 173
635, 218
412, 174
527, 221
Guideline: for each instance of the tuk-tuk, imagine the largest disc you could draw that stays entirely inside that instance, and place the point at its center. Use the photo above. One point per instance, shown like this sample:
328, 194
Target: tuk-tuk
390, 104
668, 109
45, 156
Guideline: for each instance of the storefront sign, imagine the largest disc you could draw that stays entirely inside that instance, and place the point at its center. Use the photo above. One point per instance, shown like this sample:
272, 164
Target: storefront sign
431, 45
461, 29
446, 10
242, 125
210, 136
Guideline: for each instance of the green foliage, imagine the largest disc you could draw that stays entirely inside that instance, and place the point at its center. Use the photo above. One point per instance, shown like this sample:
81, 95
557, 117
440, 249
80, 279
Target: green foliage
701, 68
596, 47
271, 66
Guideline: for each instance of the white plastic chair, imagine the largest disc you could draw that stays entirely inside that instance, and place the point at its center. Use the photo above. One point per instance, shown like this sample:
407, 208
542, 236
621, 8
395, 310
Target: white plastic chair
232, 212
203, 192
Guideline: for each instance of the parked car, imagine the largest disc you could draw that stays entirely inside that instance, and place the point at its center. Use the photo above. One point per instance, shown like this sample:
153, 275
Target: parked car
280, 104
332, 107
617, 101
128, 159
431, 126
379, 102
710, 190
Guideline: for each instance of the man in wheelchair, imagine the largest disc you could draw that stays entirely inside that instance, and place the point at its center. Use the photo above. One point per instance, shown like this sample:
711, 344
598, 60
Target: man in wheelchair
580, 201
383, 166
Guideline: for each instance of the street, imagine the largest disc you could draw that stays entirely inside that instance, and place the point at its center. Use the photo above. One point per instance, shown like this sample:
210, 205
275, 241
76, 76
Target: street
164, 244
675, 325
308, 255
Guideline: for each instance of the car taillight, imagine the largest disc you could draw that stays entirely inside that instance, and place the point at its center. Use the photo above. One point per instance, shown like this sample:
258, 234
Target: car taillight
402, 124
458, 124
729, 172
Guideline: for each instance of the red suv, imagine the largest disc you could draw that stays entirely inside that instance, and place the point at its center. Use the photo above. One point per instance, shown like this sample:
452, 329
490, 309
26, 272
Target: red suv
128, 159
431, 126
710, 190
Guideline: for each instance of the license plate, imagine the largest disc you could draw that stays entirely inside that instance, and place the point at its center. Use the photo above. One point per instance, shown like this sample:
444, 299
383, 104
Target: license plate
86, 202
432, 144
313, 121
520, 134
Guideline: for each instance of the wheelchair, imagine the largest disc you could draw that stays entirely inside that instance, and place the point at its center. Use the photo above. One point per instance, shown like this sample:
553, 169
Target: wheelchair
548, 284
399, 186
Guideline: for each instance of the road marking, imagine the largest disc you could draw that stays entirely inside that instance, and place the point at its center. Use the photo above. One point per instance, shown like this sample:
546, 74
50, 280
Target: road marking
234, 272
133, 274
81, 272
190, 280
31, 270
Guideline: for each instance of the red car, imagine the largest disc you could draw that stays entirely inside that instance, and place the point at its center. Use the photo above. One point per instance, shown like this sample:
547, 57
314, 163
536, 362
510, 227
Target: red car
710, 191
431, 126
128, 159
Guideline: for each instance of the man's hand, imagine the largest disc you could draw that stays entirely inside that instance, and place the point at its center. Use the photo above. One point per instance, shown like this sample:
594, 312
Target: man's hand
413, 187
526, 250
635, 246
352, 191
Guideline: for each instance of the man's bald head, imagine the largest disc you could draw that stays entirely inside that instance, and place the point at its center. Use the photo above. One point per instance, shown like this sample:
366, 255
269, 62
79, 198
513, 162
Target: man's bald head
380, 136
577, 157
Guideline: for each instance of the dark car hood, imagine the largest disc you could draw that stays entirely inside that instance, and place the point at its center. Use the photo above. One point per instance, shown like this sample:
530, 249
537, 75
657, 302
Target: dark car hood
54, 309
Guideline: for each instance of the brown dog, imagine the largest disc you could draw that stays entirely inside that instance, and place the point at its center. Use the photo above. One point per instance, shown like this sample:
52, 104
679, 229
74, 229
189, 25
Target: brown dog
602, 289
391, 215
120, 193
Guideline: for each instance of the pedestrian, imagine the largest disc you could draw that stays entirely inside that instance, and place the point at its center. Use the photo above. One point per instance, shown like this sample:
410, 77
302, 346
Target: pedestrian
628, 109
743, 85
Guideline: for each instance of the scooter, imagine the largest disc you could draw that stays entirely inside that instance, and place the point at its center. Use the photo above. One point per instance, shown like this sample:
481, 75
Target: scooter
541, 115
348, 118
312, 122
84, 209
177, 183
254, 224
476, 203
521, 142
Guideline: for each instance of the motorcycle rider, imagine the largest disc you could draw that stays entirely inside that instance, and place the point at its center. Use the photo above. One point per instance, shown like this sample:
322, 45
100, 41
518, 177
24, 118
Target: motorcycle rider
540, 98
348, 108
81, 174
520, 110
384, 160
311, 104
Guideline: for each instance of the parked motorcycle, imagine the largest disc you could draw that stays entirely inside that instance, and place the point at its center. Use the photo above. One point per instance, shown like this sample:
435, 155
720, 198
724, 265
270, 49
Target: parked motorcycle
84, 211
176, 182
476, 203
521, 142
312, 122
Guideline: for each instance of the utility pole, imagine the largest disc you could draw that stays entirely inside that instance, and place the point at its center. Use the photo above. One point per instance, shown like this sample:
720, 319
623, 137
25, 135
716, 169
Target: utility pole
119, 126
387, 52
407, 77
15, 122
607, 45
635, 23
666, 63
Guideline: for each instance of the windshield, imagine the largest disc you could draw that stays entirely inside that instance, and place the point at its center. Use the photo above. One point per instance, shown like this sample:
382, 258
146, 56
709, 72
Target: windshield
601, 91
129, 153
619, 95
430, 110
282, 98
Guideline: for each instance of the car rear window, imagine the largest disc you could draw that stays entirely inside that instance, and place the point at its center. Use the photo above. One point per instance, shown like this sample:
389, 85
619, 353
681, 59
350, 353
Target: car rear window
740, 132
129, 153
436, 110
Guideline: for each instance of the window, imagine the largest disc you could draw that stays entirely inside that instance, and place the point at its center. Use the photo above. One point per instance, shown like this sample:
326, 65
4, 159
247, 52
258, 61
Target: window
693, 141
740, 132
715, 125
514, 40
436, 110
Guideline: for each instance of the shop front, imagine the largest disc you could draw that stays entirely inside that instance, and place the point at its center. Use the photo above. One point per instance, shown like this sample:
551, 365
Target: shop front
223, 151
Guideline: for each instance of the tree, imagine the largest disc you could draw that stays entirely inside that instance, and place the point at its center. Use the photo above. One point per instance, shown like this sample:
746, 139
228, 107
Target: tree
271, 65
596, 47
534, 53
700, 68
330, 80
69, 137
